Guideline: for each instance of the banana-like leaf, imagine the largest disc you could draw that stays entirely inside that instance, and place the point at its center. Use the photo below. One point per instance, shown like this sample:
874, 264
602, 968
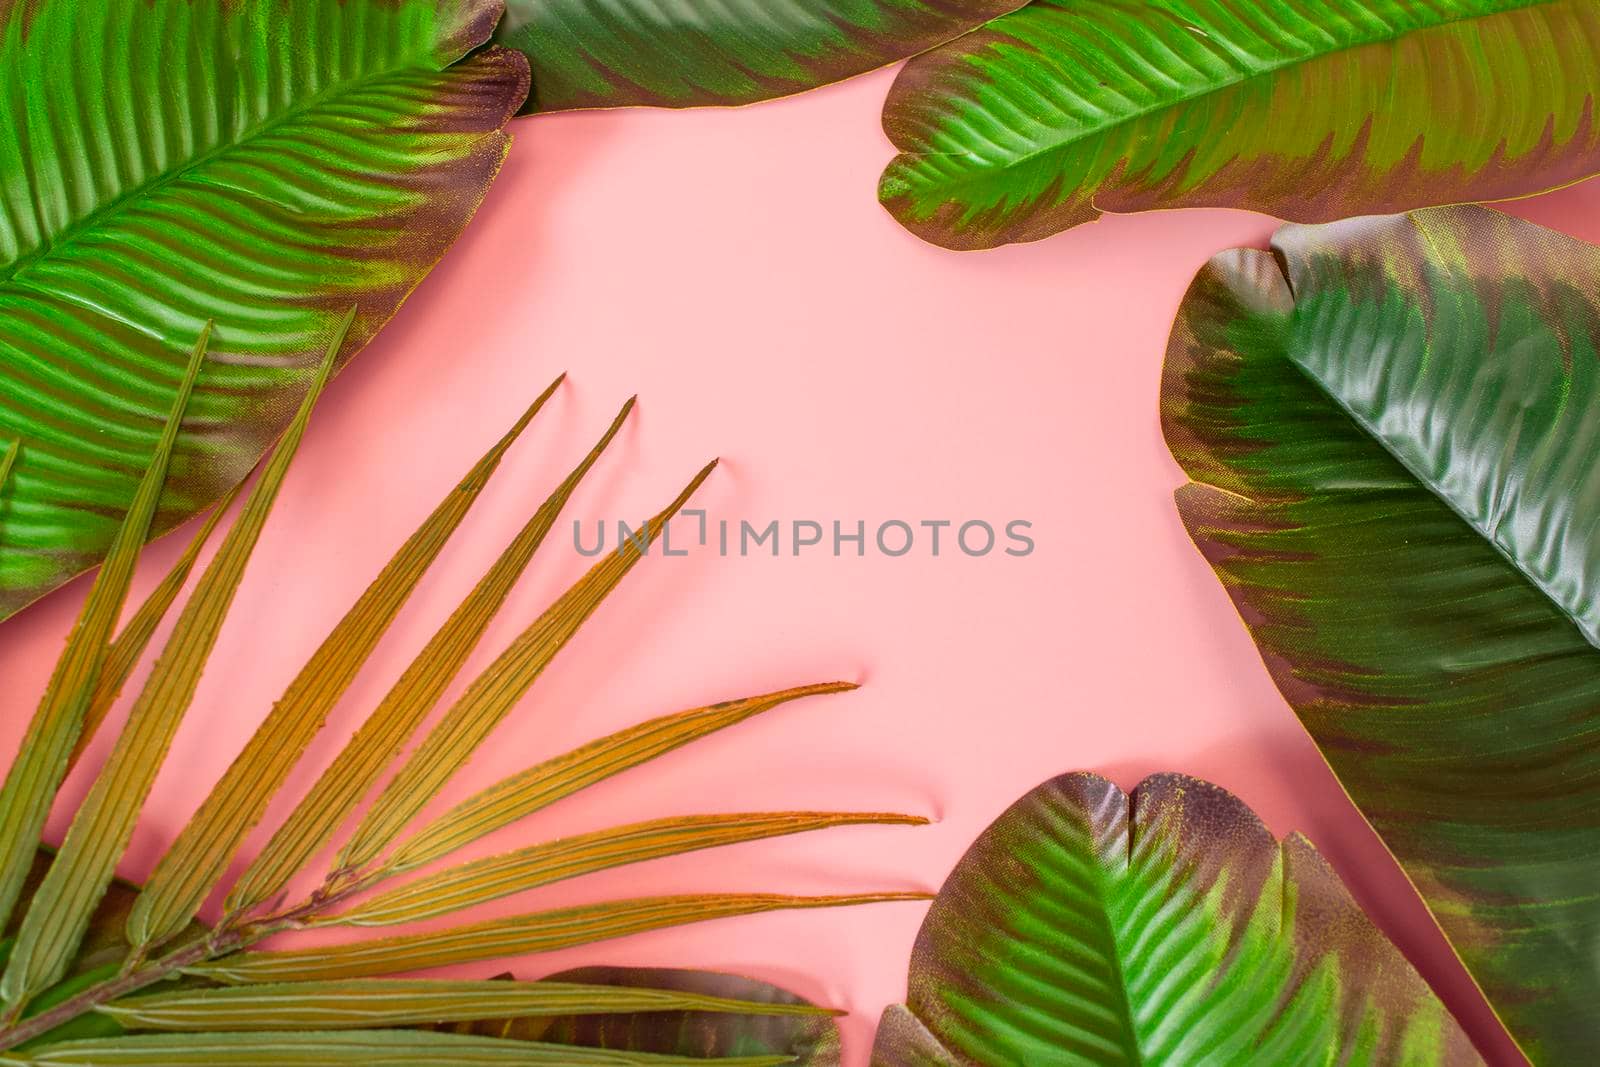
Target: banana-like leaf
1090, 927
1311, 111
808, 1038
687, 53
263, 163
1393, 431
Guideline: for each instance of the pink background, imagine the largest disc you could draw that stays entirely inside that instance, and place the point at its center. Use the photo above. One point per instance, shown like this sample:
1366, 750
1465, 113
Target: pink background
734, 269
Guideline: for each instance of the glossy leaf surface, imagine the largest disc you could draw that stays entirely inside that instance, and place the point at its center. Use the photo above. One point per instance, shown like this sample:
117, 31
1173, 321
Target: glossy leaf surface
1090, 927
1311, 111
1395, 454
685, 53
262, 163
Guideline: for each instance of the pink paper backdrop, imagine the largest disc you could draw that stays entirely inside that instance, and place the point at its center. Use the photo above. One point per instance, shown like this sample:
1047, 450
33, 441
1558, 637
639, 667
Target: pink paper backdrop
734, 269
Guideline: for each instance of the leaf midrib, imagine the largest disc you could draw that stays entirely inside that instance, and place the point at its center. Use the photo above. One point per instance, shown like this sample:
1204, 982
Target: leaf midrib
1272, 70
1427, 485
17, 269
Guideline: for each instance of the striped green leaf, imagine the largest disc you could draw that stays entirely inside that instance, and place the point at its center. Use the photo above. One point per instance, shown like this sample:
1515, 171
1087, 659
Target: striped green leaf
685, 53
1310, 110
262, 163
1393, 432
1088, 928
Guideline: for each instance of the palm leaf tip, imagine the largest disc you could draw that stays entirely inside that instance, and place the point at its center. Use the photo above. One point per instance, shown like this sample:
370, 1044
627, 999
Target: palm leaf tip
71, 980
198, 859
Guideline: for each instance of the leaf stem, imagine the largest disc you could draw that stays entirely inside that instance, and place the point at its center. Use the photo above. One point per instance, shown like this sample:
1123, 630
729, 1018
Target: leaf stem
221, 941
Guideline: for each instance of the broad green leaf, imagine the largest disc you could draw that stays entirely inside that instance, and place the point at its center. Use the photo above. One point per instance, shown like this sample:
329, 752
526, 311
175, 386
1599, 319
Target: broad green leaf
379, 1048
685, 53
515, 935
1394, 441
539, 786
368, 1002
186, 874
1090, 927
809, 1038
1310, 110
59, 912
493, 877
42, 760
493, 694
262, 163
378, 742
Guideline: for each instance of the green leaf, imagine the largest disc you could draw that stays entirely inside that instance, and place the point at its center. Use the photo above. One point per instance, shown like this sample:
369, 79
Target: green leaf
1310, 111
379, 1048
52, 734
539, 786
263, 163
1394, 441
514, 935
60, 910
809, 1037
493, 694
191, 868
686, 53
1090, 927
360, 1003
374, 747
470, 884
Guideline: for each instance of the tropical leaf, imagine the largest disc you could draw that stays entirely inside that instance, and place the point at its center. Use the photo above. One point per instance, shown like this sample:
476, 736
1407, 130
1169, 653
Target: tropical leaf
378, 1048
806, 1037
1311, 111
686, 53
1393, 431
264, 163
1088, 926
85, 961
369, 1003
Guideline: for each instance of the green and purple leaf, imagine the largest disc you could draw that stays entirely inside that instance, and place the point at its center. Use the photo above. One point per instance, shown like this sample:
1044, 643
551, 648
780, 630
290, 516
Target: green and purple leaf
689, 53
1311, 111
266, 164
811, 1038
1392, 427
1087, 927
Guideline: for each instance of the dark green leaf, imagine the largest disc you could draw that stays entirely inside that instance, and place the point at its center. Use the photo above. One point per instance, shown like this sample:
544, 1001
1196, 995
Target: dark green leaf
1393, 430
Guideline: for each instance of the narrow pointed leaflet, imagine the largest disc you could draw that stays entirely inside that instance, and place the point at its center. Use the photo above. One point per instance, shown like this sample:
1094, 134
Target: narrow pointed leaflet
494, 692
63, 904
42, 760
200, 856
379, 741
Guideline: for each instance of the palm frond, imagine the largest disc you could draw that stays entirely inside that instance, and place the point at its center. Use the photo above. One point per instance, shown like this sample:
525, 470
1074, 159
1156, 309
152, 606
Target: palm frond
83, 957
